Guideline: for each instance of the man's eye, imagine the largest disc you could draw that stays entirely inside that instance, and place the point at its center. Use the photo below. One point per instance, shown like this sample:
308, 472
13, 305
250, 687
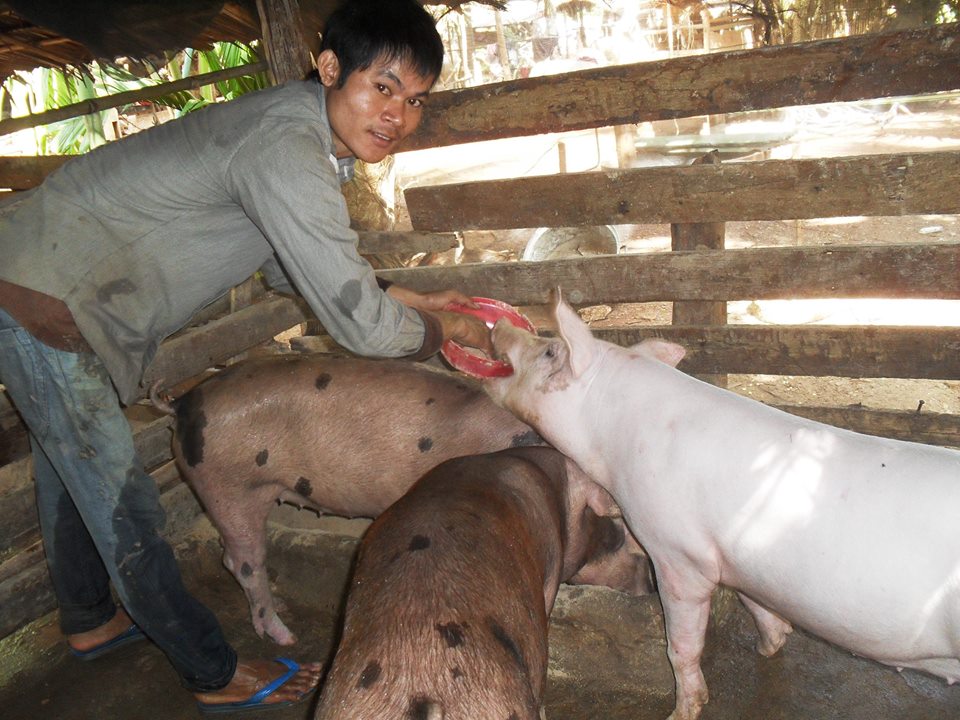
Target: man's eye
383, 89
416, 102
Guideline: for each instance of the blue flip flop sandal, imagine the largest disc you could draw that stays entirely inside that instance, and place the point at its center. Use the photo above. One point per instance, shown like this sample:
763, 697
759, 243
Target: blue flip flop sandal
131, 635
256, 701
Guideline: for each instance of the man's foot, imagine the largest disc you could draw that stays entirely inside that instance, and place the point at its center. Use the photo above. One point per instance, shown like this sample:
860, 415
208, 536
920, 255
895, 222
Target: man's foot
116, 632
251, 686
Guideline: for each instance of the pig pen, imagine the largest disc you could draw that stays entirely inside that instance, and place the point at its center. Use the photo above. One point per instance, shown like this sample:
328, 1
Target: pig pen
607, 650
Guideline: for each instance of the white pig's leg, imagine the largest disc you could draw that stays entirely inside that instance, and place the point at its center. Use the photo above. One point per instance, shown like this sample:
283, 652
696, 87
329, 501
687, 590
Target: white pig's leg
686, 610
773, 628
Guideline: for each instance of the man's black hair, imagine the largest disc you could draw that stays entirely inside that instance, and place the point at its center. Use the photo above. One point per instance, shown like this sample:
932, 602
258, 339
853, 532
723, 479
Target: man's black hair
362, 31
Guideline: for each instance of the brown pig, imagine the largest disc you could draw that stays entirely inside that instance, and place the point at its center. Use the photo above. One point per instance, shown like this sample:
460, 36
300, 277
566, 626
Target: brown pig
345, 436
453, 586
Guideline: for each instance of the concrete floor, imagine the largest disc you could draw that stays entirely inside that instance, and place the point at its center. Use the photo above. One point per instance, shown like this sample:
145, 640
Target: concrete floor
607, 655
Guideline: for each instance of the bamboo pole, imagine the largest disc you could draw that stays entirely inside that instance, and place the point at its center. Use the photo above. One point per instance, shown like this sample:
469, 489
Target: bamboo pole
126, 98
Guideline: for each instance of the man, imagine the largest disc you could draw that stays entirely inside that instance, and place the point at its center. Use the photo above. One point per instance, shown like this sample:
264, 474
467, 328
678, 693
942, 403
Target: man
119, 248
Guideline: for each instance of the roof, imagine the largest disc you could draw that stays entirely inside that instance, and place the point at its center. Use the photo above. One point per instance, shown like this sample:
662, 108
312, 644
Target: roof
57, 33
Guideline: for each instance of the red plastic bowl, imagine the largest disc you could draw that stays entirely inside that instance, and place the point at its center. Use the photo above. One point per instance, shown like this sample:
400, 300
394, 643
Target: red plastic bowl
473, 362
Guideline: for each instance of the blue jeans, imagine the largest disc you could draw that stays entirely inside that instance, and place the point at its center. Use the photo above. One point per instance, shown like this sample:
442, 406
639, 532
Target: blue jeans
100, 513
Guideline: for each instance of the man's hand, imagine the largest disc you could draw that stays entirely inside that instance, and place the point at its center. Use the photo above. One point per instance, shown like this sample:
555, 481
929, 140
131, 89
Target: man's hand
466, 330
430, 302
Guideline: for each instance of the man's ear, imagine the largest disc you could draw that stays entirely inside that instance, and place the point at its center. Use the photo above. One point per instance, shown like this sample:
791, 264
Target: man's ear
328, 68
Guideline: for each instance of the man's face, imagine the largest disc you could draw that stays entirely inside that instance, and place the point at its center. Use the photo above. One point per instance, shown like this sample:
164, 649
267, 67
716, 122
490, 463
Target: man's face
376, 109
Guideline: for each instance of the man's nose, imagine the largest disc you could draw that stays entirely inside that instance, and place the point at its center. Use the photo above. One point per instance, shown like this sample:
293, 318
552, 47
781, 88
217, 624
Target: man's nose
395, 112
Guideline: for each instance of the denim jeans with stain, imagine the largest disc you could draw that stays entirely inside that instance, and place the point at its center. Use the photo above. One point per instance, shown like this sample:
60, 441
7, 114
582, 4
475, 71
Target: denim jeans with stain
100, 513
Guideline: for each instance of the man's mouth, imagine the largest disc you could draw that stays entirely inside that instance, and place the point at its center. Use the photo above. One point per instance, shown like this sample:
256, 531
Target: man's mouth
383, 139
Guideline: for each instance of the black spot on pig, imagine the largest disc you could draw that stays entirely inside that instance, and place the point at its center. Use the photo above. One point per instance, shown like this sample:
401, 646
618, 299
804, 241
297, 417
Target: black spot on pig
262, 457
419, 542
420, 707
323, 380
452, 633
502, 637
456, 673
430, 401
606, 536
526, 439
370, 674
191, 420
303, 487
425, 444
262, 613
513, 716
106, 292
246, 570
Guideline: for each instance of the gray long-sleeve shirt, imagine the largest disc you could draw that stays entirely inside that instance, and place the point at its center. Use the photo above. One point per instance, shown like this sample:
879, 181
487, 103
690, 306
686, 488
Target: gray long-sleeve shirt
138, 235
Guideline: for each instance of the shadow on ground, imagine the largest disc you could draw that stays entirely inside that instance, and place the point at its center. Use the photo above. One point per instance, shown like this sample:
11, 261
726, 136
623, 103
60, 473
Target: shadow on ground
608, 657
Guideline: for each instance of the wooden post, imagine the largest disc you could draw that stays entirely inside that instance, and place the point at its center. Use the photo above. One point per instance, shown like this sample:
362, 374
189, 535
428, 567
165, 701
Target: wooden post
626, 136
288, 56
700, 236
286, 50
505, 69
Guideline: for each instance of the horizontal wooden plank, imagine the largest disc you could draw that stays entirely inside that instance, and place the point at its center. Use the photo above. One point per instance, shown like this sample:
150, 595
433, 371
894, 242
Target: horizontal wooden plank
25, 596
128, 97
25, 590
18, 510
23, 173
900, 184
909, 62
892, 271
18, 514
928, 428
862, 351
405, 242
193, 351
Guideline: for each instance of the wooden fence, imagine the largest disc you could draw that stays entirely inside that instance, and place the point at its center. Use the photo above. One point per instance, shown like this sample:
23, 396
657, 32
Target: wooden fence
698, 281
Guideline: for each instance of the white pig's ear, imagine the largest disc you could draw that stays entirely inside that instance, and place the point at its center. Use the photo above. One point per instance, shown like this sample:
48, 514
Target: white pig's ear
662, 350
576, 336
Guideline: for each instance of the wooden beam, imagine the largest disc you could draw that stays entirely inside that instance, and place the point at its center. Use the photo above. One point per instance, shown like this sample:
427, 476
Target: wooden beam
878, 65
816, 350
840, 271
23, 173
189, 354
126, 98
286, 48
18, 516
901, 184
700, 236
25, 590
924, 427
399, 242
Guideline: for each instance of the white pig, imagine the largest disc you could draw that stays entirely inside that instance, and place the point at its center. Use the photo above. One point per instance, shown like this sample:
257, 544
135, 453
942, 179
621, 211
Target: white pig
852, 537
